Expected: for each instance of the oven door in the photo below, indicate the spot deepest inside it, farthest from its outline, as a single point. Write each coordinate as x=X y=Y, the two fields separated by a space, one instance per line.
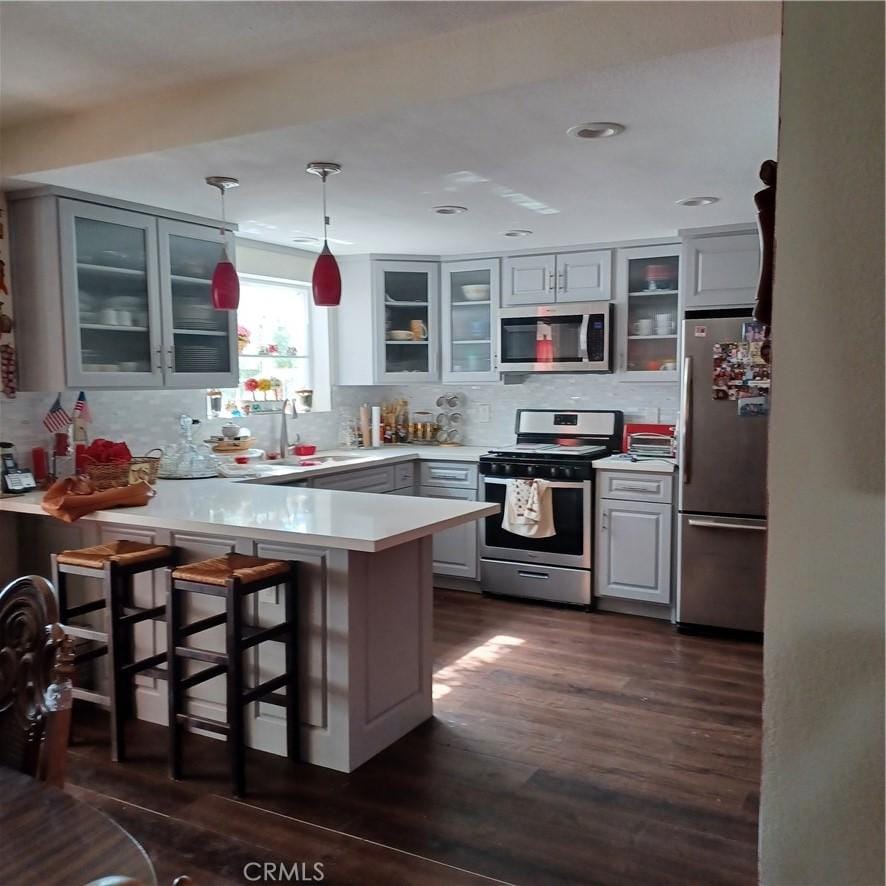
x=573 y=338
x=571 y=546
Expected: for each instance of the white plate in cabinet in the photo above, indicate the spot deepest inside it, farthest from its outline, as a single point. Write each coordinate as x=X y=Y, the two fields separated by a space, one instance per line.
x=635 y=486
x=455 y=549
x=633 y=551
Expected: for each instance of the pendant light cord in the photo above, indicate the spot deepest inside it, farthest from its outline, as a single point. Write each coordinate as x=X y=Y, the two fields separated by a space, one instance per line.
x=325 y=216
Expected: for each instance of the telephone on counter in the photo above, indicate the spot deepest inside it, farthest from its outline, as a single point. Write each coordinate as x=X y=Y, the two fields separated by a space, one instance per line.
x=15 y=480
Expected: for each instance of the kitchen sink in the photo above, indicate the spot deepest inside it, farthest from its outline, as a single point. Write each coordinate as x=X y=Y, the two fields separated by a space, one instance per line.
x=314 y=461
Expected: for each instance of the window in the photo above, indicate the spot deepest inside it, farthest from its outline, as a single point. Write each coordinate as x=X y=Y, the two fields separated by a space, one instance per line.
x=276 y=350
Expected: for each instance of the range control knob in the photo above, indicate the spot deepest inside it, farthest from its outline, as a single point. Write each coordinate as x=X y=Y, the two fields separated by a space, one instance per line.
x=566 y=473
x=494 y=468
x=554 y=472
x=530 y=470
x=508 y=469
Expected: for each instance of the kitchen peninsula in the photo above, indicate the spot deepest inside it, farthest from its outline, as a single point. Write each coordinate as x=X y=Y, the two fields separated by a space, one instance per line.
x=365 y=586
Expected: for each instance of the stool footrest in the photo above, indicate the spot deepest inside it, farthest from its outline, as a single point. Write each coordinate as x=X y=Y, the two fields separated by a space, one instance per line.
x=203 y=624
x=90 y=696
x=266 y=688
x=156 y=673
x=252 y=636
x=202 y=676
x=144 y=663
x=275 y=698
x=134 y=614
x=201 y=655
x=83 y=608
x=200 y=723
x=82 y=633
x=90 y=654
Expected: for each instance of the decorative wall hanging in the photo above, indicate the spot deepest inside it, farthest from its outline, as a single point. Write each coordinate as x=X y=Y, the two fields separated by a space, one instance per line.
x=225 y=282
x=8 y=357
x=326 y=280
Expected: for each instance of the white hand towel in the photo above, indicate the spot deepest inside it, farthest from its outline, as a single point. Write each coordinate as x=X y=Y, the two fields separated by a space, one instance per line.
x=528 y=511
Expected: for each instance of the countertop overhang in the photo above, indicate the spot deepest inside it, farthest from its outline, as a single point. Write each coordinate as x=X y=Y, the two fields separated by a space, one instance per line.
x=354 y=521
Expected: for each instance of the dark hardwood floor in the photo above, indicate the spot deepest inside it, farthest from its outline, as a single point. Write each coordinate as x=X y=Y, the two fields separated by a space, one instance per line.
x=566 y=748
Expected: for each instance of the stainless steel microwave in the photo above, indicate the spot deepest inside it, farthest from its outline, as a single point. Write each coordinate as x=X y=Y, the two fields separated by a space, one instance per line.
x=555 y=338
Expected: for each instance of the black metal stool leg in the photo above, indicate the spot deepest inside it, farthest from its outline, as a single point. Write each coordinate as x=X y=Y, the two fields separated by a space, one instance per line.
x=236 y=734
x=174 y=675
x=293 y=716
x=111 y=583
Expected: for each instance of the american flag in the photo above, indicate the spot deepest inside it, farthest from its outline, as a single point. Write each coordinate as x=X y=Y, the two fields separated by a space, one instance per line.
x=81 y=408
x=56 y=420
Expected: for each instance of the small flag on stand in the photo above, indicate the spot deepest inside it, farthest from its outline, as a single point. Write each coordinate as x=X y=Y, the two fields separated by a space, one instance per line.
x=56 y=420
x=81 y=408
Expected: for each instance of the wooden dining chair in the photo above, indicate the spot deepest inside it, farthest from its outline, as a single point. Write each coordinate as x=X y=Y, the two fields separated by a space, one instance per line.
x=36 y=665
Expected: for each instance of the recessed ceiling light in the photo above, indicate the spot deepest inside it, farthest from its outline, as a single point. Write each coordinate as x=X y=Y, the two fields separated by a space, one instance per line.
x=449 y=210
x=517 y=233
x=698 y=201
x=595 y=130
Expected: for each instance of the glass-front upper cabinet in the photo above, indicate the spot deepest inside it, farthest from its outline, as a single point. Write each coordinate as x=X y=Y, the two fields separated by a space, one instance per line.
x=200 y=349
x=469 y=309
x=407 y=312
x=648 y=296
x=110 y=295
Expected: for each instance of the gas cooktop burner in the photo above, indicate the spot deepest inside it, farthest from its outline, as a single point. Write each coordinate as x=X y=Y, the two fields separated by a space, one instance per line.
x=549 y=449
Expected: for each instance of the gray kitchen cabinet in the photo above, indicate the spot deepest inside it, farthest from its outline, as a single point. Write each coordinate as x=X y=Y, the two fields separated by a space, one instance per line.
x=118 y=295
x=564 y=277
x=719 y=267
x=633 y=540
x=455 y=549
x=380 y=480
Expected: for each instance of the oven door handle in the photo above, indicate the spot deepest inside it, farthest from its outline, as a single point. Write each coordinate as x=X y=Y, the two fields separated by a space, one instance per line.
x=554 y=484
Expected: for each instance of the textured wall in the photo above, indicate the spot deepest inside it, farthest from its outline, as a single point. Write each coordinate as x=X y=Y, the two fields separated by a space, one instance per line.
x=148 y=418
x=821 y=815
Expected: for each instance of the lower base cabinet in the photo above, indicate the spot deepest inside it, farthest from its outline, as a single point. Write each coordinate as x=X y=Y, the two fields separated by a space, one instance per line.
x=455 y=550
x=633 y=549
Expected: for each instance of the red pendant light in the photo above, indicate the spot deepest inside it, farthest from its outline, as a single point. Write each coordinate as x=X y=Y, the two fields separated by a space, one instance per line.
x=225 y=282
x=326 y=280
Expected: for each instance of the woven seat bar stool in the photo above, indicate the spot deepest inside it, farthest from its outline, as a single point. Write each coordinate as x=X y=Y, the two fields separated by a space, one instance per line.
x=233 y=577
x=114 y=564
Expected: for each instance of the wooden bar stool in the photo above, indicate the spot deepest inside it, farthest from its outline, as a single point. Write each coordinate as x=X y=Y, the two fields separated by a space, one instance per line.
x=114 y=564
x=234 y=577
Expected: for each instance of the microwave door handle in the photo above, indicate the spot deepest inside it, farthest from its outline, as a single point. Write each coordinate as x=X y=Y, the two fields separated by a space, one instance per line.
x=583 y=338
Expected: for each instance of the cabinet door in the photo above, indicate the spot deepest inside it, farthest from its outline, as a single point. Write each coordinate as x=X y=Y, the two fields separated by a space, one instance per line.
x=199 y=342
x=407 y=308
x=368 y=480
x=721 y=270
x=470 y=296
x=529 y=280
x=455 y=549
x=111 y=297
x=633 y=550
x=584 y=276
x=647 y=295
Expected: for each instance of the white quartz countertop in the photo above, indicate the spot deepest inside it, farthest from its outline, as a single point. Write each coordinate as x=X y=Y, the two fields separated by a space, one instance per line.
x=355 y=521
x=648 y=465
x=340 y=461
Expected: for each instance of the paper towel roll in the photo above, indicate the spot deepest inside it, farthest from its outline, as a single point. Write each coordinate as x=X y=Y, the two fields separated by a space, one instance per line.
x=365 y=435
x=376 y=425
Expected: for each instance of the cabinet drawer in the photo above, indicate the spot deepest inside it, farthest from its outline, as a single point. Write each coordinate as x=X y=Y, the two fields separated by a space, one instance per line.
x=448 y=473
x=371 y=480
x=635 y=486
x=404 y=475
x=536 y=582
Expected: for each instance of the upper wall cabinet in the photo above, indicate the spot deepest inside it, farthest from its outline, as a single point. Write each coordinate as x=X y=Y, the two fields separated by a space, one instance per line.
x=388 y=321
x=101 y=303
x=565 y=277
x=720 y=267
x=469 y=309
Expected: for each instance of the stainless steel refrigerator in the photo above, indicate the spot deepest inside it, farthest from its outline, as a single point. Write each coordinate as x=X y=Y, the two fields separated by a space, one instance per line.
x=722 y=500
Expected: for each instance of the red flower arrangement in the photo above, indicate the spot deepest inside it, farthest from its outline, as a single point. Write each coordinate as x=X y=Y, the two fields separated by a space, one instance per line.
x=107 y=452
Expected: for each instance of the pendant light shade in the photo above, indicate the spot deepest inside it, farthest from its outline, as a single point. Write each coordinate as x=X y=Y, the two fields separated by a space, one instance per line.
x=326 y=280
x=225 y=282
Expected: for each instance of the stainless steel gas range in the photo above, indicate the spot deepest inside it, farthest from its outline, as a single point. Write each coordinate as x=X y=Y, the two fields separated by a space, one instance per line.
x=557 y=446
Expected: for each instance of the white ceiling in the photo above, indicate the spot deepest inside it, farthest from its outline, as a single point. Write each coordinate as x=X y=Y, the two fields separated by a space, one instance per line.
x=697 y=123
x=66 y=56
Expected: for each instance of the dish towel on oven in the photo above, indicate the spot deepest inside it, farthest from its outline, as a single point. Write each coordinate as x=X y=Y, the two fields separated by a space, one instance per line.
x=528 y=510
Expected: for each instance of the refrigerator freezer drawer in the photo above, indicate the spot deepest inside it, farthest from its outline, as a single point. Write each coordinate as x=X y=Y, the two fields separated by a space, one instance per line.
x=722 y=572
x=552 y=583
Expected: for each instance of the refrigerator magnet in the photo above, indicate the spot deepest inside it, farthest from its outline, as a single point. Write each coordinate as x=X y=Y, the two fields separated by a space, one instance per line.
x=701 y=331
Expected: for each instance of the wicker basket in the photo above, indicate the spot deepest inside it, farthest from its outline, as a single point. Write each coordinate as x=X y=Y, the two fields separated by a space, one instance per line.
x=143 y=467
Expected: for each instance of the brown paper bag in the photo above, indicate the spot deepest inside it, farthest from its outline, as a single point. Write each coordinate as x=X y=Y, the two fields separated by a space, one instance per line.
x=71 y=498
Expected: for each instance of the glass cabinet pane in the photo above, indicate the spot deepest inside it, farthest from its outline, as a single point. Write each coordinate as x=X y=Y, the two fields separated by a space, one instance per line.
x=652 y=314
x=200 y=333
x=113 y=309
x=407 y=319
x=470 y=320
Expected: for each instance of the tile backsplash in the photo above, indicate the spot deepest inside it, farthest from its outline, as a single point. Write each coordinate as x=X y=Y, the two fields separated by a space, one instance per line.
x=146 y=419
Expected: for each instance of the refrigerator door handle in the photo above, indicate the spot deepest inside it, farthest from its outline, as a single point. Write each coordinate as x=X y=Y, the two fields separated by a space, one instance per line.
x=716 y=524
x=685 y=418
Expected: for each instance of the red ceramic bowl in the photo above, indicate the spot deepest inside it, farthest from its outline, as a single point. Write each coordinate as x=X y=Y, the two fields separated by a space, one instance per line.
x=241 y=459
x=304 y=449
